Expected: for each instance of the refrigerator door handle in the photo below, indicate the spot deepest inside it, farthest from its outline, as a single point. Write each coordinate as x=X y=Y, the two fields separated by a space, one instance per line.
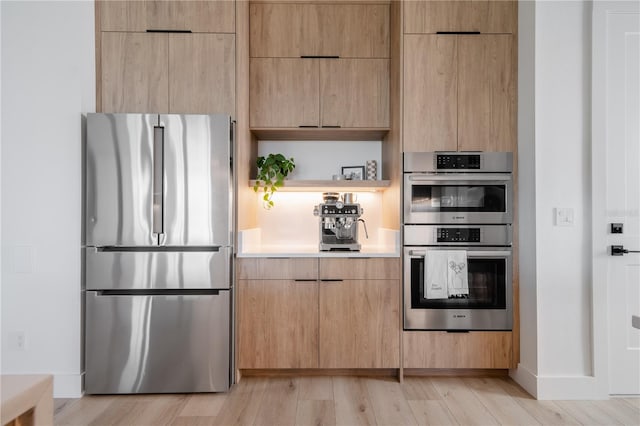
x=158 y=182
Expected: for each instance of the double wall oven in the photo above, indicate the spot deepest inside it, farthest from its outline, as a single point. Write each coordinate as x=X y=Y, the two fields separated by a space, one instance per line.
x=459 y=201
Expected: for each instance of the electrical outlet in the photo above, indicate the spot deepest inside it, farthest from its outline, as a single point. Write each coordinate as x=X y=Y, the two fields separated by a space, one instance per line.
x=564 y=216
x=17 y=341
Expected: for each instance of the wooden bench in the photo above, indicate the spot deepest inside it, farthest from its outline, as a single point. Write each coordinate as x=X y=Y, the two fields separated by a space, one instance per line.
x=27 y=400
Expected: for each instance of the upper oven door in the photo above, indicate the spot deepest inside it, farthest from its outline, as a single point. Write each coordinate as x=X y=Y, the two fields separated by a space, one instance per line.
x=458 y=198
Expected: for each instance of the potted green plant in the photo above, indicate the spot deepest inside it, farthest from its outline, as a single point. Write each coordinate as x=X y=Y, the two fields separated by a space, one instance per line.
x=272 y=170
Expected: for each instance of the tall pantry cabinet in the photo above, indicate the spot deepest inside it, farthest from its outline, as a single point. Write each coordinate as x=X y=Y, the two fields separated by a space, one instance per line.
x=459 y=93
x=166 y=56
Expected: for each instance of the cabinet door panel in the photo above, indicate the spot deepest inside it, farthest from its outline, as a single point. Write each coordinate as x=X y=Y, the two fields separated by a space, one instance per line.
x=486 y=93
x=359 y=324
x=263 y=268
x=277 y=324
x=278 y=30
x=217 y=16
x=429 y=17
x=284 y=92
x=116 y=15
x=353 y=31
x=197 y=16
x=430 y=93
x=134 y=72
x=355 y=92
x=202 y=73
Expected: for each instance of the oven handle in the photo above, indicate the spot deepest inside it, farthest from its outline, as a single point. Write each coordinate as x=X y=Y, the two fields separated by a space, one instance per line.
x=458 y=177
x=492 y=253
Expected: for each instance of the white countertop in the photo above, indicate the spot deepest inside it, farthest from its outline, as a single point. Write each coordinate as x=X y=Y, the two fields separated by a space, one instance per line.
x=251 y=244
x=313 y=251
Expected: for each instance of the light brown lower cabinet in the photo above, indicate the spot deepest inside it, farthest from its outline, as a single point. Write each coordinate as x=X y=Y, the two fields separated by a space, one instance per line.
x=359 y=324
x=277 y=324
x=439 y=349
x=344 y=314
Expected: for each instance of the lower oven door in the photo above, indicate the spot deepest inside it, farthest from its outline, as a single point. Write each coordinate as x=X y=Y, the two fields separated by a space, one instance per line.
x=489 y=305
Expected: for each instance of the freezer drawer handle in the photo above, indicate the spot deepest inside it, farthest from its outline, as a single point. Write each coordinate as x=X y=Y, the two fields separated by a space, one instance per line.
x=159 y=292
x=170 y=249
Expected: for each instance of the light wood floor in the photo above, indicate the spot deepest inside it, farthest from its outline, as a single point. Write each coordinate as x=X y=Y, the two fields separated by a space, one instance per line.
x=349 y=401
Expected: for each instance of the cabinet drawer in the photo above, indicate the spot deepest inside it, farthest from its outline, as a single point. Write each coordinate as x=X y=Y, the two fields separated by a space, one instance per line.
x=484 y=16
x=196 y=16
x=277 y=268
x=294 y=30
x=354 y=268
x=439 y=349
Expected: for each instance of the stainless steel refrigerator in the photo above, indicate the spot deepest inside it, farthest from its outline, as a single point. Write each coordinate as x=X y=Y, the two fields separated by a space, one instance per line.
x=158 y=252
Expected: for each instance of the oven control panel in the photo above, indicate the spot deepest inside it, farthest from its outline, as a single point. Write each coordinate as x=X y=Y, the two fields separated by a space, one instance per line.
x=458 y=235
x=458 y=161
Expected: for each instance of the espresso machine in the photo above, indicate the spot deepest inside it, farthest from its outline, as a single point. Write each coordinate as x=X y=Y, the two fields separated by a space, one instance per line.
x=339 y=217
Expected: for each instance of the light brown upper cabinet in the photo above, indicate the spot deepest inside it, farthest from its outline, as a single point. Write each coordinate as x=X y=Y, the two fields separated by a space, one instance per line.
x=293 y=92
x=485 y=16
x=202 y=73
x=175 y=15
x=168 y=73
x=459 y=93
x=284 y=92
x=354 y=92
x=135 y=76
x=295 y=30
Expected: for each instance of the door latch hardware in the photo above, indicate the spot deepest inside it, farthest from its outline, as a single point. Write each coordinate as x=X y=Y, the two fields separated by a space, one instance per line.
x=616 y=228
x=620 y=251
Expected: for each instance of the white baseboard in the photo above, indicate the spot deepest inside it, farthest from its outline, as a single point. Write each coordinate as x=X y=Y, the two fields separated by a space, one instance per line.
x=579 y=387
x=525 y=378
x=558 y=387
x=67 y=385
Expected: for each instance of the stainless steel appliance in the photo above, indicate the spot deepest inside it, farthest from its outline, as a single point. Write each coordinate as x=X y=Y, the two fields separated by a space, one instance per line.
x=459 y=201
x=489 y=305
x=338 y=224
x=158 y=252
x=453 y=187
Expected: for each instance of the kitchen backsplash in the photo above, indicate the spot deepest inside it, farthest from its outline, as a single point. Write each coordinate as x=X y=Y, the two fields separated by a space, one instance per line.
x=291 y=221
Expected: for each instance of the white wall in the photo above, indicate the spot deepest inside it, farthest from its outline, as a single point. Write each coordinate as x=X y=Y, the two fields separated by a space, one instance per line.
x=562 y=366
x=48 y=80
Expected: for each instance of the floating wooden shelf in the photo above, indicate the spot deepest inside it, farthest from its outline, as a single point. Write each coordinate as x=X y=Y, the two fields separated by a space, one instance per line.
x=332 y=185
x=320 y=134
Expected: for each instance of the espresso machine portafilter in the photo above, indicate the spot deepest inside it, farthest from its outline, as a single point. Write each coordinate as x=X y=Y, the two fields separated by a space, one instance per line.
x=338 y=225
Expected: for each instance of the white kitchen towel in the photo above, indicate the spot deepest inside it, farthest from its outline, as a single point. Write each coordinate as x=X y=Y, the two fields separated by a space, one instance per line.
x=457 y=273
x=436 y=265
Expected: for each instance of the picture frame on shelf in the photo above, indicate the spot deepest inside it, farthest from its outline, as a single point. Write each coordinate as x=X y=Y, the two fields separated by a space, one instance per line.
x=353 y=172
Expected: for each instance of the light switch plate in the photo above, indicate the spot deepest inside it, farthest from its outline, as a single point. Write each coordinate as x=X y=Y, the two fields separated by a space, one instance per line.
x=564 y=216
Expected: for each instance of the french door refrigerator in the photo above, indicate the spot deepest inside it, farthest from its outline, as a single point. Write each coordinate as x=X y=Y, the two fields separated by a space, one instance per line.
x=158 y=252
